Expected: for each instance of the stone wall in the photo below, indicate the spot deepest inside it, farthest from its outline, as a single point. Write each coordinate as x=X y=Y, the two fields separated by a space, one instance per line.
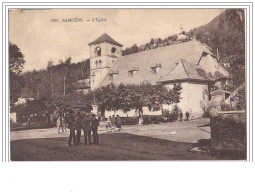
x=228 y=131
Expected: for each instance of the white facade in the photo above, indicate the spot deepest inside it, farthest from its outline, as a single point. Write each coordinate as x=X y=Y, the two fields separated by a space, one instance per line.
x=194 y=96
x=182 y=37
x=133 y=113
x=13 y=117
x=23 y=101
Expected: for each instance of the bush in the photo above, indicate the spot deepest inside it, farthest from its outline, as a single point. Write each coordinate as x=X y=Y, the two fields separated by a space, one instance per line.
x=129 y=120
x=32 y=125
x=174 y=114
x=153 y=119
x=228 y=107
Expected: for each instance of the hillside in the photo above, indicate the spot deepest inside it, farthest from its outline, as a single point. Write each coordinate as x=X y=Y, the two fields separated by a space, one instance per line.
x=44 y=83
x=226 y=33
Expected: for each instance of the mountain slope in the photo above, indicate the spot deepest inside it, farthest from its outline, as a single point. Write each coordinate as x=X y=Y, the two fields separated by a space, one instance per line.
x=226 y=33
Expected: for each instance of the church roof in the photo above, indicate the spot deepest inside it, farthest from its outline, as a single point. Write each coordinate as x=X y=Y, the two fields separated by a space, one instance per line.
x=183 y=71
x=167 y=57
x=212 y=67
x=105 y=38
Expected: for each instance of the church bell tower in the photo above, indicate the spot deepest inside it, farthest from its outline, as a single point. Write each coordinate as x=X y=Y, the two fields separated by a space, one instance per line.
x=104 y=53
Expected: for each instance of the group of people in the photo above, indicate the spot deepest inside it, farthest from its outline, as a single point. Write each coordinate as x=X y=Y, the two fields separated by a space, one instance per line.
x=113 y=122
x=187 y=114
x=78 y=120
x=61 y=124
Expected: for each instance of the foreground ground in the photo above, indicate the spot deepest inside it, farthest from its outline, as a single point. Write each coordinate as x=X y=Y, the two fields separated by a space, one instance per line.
x=113 y=146
x=171 y=141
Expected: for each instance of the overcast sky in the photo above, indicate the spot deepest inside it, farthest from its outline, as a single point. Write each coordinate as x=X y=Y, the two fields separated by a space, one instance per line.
x=41 y=40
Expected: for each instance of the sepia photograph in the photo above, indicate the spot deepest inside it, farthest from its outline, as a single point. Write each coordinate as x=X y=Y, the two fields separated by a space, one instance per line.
x=127 y=84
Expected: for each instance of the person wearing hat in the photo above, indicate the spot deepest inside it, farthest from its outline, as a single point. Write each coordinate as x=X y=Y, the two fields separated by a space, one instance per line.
x=86 y=125
x=70 y=119
x=118 y=122
x=94 y=126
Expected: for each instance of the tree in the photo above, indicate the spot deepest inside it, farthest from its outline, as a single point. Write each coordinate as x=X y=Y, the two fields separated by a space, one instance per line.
x=16 y=63
x=152 y=42
x=16 y=59
x=134 y=49
x=158 y=40
x=128 y=97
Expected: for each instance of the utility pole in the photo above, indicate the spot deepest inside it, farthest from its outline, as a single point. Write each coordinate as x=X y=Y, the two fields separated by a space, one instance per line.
x=65 y=84
x=65 y=68
x=50 y=68
x=82 y=69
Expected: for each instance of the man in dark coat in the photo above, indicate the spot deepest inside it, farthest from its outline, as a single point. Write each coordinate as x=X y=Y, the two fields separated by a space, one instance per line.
x=118 y=122
x=86 y=126
x=94 y=125
x=187 y=115
x=181 y=115
x=78 y=134
x=72 y=122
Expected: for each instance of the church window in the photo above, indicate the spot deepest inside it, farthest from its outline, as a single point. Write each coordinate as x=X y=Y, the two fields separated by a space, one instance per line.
x=132 y=73
x=96 y=64
x=97 y=51
x=110 y=77
x=114 y=50
x=154 y=70
x=111 y=74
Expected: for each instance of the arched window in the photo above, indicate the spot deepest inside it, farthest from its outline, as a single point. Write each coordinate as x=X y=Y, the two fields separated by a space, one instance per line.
x=96 y=64
x=98 y=51
x=114 y=50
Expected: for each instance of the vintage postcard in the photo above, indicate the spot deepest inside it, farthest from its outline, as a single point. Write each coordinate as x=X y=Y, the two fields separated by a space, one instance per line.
x=127 y=84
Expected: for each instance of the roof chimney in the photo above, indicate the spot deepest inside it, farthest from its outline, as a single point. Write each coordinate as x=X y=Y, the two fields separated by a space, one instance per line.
x=218 y=54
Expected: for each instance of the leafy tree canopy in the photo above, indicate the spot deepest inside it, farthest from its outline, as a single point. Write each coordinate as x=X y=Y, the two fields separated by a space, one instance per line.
x=127 y=97
x=16 y=63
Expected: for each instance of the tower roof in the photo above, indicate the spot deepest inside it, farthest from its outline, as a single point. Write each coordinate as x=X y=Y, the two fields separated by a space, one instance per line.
x=105 y=38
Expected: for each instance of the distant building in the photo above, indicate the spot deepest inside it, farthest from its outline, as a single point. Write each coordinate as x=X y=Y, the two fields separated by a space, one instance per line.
x=182 y=35
x=23 y=101
x=82 y=86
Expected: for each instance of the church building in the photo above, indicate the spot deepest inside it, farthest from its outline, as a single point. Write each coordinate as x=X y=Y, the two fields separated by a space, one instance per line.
x=189 y=63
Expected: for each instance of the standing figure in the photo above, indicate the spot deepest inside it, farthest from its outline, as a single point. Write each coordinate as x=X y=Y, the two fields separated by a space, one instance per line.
x=94 y=126
x=29 y=121
x=181 y=115
x=86 y=125
x=58 y=124
x=78 y=134
x=118 y=122
x=109 y=122
x=71 y=121
x=64 y=124
x=190 y=114
x=113 y=121
x=187 y=115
